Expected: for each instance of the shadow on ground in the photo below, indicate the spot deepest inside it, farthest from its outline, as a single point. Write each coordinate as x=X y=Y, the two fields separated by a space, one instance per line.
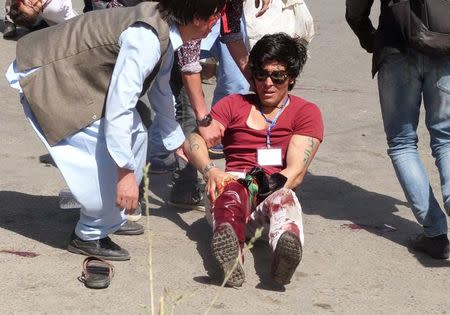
x=329 y=197
x=336 y=199
x=37 y=217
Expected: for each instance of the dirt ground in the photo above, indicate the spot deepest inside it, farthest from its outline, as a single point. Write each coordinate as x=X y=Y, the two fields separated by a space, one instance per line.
x=357 y=222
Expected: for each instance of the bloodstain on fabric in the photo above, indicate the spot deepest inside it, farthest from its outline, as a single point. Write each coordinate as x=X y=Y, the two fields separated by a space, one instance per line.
x=292 y=227
x=279 y=200
x=232 y=207
x=19 y=253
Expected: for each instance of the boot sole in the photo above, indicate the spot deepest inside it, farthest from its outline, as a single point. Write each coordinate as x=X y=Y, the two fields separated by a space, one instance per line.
x=289 y=254
x=134 y=232
x=76 y=250
x=226 y=251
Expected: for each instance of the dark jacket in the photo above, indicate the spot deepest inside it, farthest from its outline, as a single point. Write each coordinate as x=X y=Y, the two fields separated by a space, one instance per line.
x=384 y=40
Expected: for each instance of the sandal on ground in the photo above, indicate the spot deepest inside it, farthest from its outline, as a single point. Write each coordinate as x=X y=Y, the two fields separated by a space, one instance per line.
x=97 y=273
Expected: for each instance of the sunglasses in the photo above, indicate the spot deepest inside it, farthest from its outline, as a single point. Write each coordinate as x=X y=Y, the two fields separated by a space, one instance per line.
x=277 y=77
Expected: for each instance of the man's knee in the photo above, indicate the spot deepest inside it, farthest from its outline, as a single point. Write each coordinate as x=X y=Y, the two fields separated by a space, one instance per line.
x=233 y=198
x=93 y=206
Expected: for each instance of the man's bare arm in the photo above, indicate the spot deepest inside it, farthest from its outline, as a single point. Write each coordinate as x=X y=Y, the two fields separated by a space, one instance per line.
x=193 y=85
x=197 y=152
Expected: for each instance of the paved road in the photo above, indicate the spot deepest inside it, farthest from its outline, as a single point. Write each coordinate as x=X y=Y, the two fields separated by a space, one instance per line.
x=356 y=220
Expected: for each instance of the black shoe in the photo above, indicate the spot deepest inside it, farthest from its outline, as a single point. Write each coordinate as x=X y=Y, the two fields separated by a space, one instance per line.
x=186 y=195
x=437 y=247
x=103 y=248
x=130 y=228
x=10 y=30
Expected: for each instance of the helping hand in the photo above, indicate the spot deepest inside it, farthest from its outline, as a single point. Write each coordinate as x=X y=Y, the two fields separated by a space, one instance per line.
x=212 y=134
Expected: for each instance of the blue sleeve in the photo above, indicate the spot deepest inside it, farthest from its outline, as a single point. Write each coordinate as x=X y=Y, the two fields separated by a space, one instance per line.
x=138 y=55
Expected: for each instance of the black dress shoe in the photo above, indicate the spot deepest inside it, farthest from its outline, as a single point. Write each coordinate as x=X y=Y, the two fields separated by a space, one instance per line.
x=103 y=248
x=437 y=247
x=130 y=228
x=10 y=30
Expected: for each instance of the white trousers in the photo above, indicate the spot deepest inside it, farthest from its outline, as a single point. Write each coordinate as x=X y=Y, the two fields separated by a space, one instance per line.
x=91 y=174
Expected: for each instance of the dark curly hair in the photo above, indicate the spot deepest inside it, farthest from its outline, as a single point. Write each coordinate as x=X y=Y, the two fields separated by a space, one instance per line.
x=183 y=12
x=280 y=47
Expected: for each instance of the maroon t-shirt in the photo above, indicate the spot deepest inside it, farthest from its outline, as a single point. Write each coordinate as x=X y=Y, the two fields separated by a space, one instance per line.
x=241 y=142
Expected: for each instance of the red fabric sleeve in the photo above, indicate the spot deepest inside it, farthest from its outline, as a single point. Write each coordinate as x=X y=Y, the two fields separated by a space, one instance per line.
x=221 y=111
x=309 y=122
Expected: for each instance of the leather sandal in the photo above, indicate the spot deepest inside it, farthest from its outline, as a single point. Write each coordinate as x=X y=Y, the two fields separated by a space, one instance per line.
x=97 y=273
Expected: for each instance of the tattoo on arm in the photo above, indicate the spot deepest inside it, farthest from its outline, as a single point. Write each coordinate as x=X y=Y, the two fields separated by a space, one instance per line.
x=308 y=151
x=193 y=144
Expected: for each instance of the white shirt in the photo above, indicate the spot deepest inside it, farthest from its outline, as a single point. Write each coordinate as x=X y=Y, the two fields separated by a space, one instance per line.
x=57 y=11
x=138 y=55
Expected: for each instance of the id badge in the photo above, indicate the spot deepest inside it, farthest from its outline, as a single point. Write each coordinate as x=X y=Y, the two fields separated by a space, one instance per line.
x=269 y=157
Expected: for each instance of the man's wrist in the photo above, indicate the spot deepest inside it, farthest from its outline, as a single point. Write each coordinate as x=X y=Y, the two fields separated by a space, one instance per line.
x=208 y=168
x=204 y=121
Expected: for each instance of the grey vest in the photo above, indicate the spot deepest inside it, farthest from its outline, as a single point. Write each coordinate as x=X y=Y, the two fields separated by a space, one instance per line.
x=76 y=61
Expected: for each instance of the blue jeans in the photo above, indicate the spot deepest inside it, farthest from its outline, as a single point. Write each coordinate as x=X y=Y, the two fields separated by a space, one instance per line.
x=403 y=80
x=186 y=173
x=230 y=79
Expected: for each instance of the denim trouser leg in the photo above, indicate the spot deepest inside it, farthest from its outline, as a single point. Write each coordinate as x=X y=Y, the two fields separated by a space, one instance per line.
x=186 y=118
x=401 y=82
x=230 y=79
x=436 y=97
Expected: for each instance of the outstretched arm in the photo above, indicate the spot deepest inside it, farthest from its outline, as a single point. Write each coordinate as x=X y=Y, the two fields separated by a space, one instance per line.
x=193 y=84
x=133 y=65
x=301 y=151
x=197 y=152
x=188 y=61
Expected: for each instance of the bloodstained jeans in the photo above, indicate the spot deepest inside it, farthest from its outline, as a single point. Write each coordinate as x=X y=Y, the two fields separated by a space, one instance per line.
x=278 y=213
